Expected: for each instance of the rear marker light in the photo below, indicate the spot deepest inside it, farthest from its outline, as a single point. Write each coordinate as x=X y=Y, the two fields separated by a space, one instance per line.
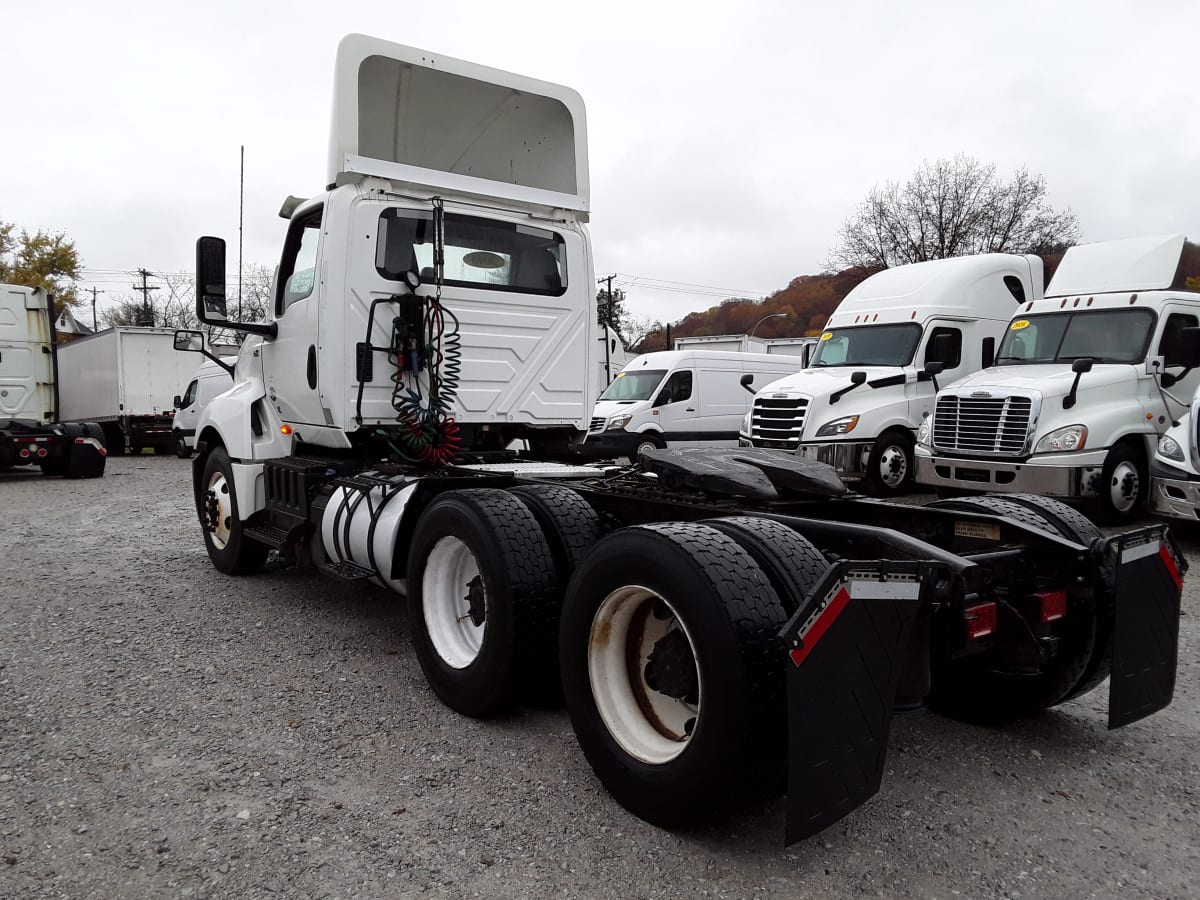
x=1054 y=605
x=285 y=429
x=981 y=620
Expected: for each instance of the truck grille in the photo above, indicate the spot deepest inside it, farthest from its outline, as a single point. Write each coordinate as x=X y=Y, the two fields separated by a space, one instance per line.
x=985 y=425
x=597 y=425
x=776 y=422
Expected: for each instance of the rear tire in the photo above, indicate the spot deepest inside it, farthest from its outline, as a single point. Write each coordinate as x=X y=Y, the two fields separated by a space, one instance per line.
x=228 y=547
x=971 y=690
x=890 y=464
x=673 y=671
x=791 y=562
x=481 y=597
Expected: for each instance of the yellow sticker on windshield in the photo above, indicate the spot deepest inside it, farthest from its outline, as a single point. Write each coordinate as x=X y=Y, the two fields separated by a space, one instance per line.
x=620 y=374
x=1018 y=325
x=827 y=335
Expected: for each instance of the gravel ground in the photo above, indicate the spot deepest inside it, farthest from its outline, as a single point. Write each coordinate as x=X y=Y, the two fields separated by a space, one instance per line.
x=169 y=731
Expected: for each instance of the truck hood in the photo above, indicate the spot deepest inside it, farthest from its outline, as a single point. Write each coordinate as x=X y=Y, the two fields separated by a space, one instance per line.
x=1047 y=379
x=606 y=409
x=818 y=382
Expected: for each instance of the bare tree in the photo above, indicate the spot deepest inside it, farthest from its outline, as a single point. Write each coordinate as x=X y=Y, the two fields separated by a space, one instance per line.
x=953 y=207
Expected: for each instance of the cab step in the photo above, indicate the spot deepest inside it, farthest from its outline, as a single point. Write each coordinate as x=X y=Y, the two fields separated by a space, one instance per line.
x=274 y=537
x=347 y=571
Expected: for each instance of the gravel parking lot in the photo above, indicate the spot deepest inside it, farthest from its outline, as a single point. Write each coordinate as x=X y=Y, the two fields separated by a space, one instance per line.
x=168 y=731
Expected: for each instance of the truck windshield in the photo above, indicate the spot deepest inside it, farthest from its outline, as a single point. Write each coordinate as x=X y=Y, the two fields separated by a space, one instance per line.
x=868 y=345
x=630 y=386
x=1107 y=336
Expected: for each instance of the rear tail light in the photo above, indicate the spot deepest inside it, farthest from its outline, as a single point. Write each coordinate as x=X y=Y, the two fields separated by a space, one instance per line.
x=1054 y=605
x=981 y=620
x=24 y=454
x=41 y=451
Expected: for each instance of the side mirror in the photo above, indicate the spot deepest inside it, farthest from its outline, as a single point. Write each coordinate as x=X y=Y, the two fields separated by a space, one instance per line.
x=210 y=281
x=857 y=378
x=1189 y=356
x=1084 y=364
x=178 y=401
x=189 y=341
x=747 y=381
x=941 y=349
x=934 y=367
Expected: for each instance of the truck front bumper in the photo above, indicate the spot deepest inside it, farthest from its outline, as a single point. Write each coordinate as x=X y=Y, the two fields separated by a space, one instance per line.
x=1174 y=493
x=848 y=457
x=1053 y=475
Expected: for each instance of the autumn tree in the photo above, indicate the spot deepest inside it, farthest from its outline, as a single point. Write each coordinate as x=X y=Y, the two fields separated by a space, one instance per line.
x=42 y=259
x=953 y=207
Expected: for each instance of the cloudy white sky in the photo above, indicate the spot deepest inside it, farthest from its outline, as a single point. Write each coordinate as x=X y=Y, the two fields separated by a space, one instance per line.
x=727 y=141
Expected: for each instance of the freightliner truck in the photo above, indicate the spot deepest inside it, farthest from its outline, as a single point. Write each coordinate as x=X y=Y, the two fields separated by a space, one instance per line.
x=723 y=624
x=31 y=429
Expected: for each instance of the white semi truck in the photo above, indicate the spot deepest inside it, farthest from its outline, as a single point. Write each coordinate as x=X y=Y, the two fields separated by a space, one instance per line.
x=31 y=430
x=1175 y=468
x=703 y=612
x=1085 y=382
x=126 y=379
x=870 y=382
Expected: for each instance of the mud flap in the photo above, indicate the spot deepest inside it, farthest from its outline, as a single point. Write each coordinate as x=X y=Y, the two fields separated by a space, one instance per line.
x=1147 y=585
x=847 y=649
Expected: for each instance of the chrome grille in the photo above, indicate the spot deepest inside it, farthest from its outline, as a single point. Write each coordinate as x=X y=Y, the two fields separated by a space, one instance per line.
x=597 y=425
x=776 y=422
x=985 y=425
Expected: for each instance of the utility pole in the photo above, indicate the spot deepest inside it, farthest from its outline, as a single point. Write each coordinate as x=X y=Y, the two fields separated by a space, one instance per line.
x=94 y=293
x=147 y=313
x=608 y=315
x=241 y=208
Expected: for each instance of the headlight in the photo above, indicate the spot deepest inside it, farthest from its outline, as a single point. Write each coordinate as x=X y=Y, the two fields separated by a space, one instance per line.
x=617 y=423
x=1062 y=440
x=838 y=426
x=1169 y=447
x=746 y=422
x=923 y=431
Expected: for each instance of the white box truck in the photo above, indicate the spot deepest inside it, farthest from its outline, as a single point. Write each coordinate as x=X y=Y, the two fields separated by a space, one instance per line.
x=678 y=398
x=697 y=611
x=731 y=343
x=31 y=429
x=868 y=387
x=1082 y=388
x=125 y=378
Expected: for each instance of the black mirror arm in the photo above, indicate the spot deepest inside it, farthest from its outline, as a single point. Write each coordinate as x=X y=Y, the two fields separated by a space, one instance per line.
x=218 y=360
x=1069 y=400
x=929 y=376
x=838 y=395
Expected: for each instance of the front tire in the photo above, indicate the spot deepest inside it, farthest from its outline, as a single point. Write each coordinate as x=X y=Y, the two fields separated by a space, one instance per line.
x=673 y=671
x=648 y=441
x=481 y=597
x=225 y=539
x=1123 y=485
x=890 y=464
x=182 y=450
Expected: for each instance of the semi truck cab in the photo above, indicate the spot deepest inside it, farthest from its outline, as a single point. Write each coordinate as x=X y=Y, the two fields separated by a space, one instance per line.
x=1085 y=382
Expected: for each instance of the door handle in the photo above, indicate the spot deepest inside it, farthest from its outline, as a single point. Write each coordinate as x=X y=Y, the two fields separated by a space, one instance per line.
x=690 y=409
x=312 y=366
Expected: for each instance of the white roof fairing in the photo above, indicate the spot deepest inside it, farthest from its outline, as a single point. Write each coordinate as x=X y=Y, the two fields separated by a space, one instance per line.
x=1135 y=264
x=420 y=118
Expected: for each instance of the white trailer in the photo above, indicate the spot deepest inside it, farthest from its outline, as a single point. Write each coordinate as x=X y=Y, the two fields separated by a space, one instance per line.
x=702 y=614
x=125 y=378
x=734 y=343
x=801 y=347
x=31 y=432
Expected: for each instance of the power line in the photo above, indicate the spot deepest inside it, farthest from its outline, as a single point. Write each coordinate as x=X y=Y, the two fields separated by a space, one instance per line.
x=147 y=314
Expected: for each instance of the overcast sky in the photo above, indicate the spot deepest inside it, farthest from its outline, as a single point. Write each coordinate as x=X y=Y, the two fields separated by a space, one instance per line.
x=728 y=142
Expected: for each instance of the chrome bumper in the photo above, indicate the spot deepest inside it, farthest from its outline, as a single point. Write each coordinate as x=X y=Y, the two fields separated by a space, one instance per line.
x=988 y=475
x=1175 y=497
x=849 y=458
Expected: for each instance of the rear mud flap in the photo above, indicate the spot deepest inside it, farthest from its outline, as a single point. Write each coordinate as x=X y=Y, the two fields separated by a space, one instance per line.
x=847 y=649
x=1147 y=583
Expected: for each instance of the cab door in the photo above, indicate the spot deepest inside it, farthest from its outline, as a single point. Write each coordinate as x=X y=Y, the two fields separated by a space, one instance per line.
x=290 y=367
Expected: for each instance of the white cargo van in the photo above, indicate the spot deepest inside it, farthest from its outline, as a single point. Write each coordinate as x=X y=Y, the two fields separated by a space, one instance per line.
x=870 y=383
x=1083 y=384
x=678 y=398
x=211 y=379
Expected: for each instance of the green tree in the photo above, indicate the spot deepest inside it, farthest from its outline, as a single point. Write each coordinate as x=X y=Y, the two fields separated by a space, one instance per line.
x=42 y=259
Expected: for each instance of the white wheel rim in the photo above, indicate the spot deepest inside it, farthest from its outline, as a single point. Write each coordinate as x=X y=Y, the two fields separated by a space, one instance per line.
x=1124 y=487
x=893 y=465
x=450 y=581
x=646 y=445
x=218 y=510
x=649 y=725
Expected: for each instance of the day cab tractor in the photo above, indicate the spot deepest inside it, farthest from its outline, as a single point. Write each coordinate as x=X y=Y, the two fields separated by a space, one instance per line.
x=723 y=625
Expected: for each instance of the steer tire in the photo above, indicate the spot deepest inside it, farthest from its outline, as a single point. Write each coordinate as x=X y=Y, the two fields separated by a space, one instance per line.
x=182 y=450
x=228 y=547
x=902 y=467
x=511 y=587
x=789 y=560
x=970 y=690
x=1122 y=462
x=714 y=602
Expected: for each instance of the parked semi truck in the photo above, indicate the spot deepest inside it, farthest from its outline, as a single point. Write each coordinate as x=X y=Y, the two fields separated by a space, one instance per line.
x=710 y=615
x=1086 y=381
x=31 y=430
x=869 y=383
x=126 y=379
x=1175 y=468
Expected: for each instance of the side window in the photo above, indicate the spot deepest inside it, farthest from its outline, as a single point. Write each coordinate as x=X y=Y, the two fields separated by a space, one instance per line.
x=677 y=388
x=1013 y=283
x=298 y=268
x=953 y=355
x=1170 y=347
x=989 y=351
x=189 y=396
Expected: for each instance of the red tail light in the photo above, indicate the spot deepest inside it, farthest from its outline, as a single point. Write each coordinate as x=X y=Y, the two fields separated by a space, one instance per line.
x=981 y=620
x=1054 y=605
